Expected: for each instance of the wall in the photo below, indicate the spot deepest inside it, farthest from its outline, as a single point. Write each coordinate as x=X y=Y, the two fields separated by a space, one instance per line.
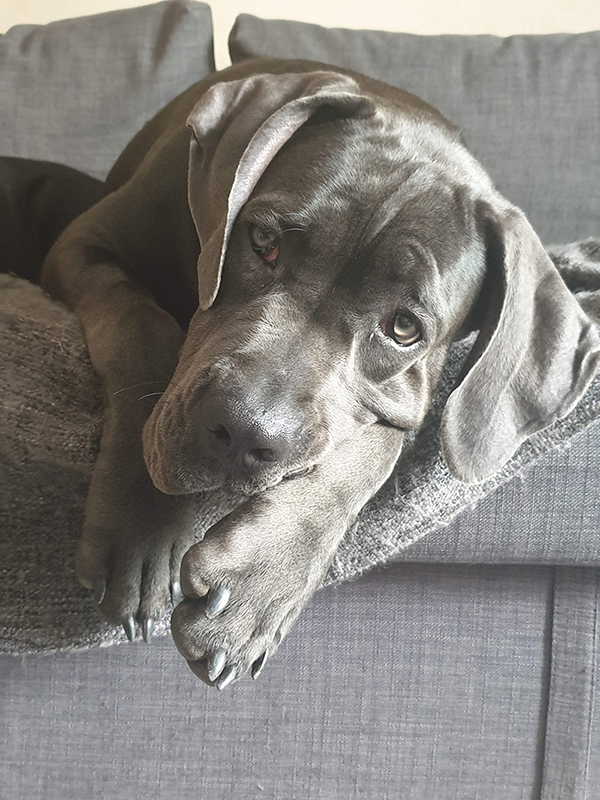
x=414 y=16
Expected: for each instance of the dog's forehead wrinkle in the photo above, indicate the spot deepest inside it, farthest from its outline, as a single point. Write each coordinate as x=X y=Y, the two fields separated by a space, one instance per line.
x=457 y=287
x=281 y=210
x=352 y=187
x=399 y=141
x=432 y=243
x=417 y=135
x=329 y=170
x=282 y=333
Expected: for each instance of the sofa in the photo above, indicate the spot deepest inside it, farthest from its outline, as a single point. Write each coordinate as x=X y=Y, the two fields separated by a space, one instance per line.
x=466 y=669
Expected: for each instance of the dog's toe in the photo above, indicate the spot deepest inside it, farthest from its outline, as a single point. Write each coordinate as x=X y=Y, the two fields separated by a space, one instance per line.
x=216 y=664
x=122 y=596
x=200 y=670
x=129 y=627
x=147 y=629
x=227 y=676
x=176 y=593
x=99 y=590
x=257 y=666
x=154 y=591
x=131 y=561
x=216 y=601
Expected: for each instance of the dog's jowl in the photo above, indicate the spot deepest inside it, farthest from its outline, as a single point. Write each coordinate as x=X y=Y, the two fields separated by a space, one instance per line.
x=283 y=257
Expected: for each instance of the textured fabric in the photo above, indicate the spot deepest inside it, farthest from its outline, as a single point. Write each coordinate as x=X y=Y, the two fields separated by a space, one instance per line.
x=529 y=106
x=49 y=433
x=416 y=682
x=548 y=515
x=419 y=682
x=76 y=91
x=593 y=764
x=571 y=702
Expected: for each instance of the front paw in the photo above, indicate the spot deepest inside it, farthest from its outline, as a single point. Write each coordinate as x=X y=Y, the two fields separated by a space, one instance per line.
x=130 y=552
x=244 y=589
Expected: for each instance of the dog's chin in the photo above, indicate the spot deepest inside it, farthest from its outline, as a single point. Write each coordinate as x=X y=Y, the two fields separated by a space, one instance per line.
x=172 y=476
x=180 y=482
x=183 y=469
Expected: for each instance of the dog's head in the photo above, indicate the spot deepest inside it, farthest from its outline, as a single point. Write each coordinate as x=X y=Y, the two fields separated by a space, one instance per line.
x=347 y=241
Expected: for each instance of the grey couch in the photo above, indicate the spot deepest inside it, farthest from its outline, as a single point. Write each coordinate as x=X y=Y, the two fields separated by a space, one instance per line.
x=465 y=670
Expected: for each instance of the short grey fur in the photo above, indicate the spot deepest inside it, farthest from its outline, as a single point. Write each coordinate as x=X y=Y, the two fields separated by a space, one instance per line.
x=49 y=431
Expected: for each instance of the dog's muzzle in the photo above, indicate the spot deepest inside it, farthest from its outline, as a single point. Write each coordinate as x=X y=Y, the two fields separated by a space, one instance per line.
x=251 y=440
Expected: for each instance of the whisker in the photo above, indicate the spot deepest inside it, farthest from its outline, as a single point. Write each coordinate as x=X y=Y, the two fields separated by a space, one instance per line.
x=162 y=401
x=145 y=383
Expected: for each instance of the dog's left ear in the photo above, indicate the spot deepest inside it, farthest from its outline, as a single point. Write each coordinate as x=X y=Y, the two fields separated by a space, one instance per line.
x=238 y=127
x=534 y=357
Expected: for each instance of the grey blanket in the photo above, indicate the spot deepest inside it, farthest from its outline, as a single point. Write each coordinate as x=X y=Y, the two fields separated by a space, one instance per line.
x=49 y=432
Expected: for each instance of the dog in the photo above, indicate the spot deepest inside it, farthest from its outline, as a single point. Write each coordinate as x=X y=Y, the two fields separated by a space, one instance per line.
x=283 y=257
x=38 y=199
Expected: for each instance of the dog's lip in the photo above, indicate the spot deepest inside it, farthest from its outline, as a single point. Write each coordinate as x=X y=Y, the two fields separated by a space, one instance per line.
x=298 y=473
x=252 y=490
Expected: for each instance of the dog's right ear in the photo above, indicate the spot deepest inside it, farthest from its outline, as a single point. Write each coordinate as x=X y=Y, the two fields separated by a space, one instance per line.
x=238 y=128
x=535 y=355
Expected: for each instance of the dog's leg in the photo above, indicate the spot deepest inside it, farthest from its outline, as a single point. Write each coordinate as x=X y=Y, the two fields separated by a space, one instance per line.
x=134 y=536
x=259 y=566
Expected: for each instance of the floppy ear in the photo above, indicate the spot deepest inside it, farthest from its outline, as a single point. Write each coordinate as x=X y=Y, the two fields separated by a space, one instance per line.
x=238 y=128
x=534 y=358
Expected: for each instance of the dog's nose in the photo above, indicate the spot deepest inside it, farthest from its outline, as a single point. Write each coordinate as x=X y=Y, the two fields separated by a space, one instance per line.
x=254 y=441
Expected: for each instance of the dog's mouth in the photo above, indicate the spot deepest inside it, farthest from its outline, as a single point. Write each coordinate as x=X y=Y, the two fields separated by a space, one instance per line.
x=251 y=487
x=298 y=473
x=184 y=470
x=186 y=453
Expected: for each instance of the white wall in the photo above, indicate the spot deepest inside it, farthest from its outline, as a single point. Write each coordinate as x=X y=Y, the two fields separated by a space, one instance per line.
x=414 y=16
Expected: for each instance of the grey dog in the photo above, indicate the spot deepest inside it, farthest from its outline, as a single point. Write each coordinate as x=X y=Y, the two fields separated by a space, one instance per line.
x=287 y=277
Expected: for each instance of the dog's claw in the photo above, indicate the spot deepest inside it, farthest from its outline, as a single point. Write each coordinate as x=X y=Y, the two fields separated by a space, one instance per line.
x=227 y=676
x=216 y=601
x=129 y=628
x=216 y=665
x=176 y=593
x=148 y=629
x=99 y=590
x=258 y=665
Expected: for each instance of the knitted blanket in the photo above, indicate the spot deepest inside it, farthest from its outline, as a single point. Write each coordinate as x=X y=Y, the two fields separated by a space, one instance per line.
x=49 y=433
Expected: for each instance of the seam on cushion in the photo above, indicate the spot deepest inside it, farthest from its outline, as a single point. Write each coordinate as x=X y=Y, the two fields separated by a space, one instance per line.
x=572 y=684
x=591 y=697
x=547 y=678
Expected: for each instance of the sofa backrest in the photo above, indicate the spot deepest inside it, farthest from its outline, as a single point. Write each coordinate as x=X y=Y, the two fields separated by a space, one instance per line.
x=529 y=106
x=76 y=91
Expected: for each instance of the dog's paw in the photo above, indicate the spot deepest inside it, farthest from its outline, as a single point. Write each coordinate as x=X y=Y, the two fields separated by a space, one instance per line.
x=244 y=589
x=130 y=554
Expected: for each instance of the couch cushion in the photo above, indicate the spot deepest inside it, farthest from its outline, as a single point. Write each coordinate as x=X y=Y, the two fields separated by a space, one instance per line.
x=76 y=91
x=423 y=681
x=529 y=106
x=549 y=515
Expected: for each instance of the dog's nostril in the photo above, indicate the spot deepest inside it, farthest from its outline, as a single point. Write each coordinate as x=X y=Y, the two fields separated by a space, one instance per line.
x=262 y=454
x=222 y=434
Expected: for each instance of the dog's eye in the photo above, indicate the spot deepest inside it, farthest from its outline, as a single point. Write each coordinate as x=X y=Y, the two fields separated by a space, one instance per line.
x=264 y=242
x=405 y=329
